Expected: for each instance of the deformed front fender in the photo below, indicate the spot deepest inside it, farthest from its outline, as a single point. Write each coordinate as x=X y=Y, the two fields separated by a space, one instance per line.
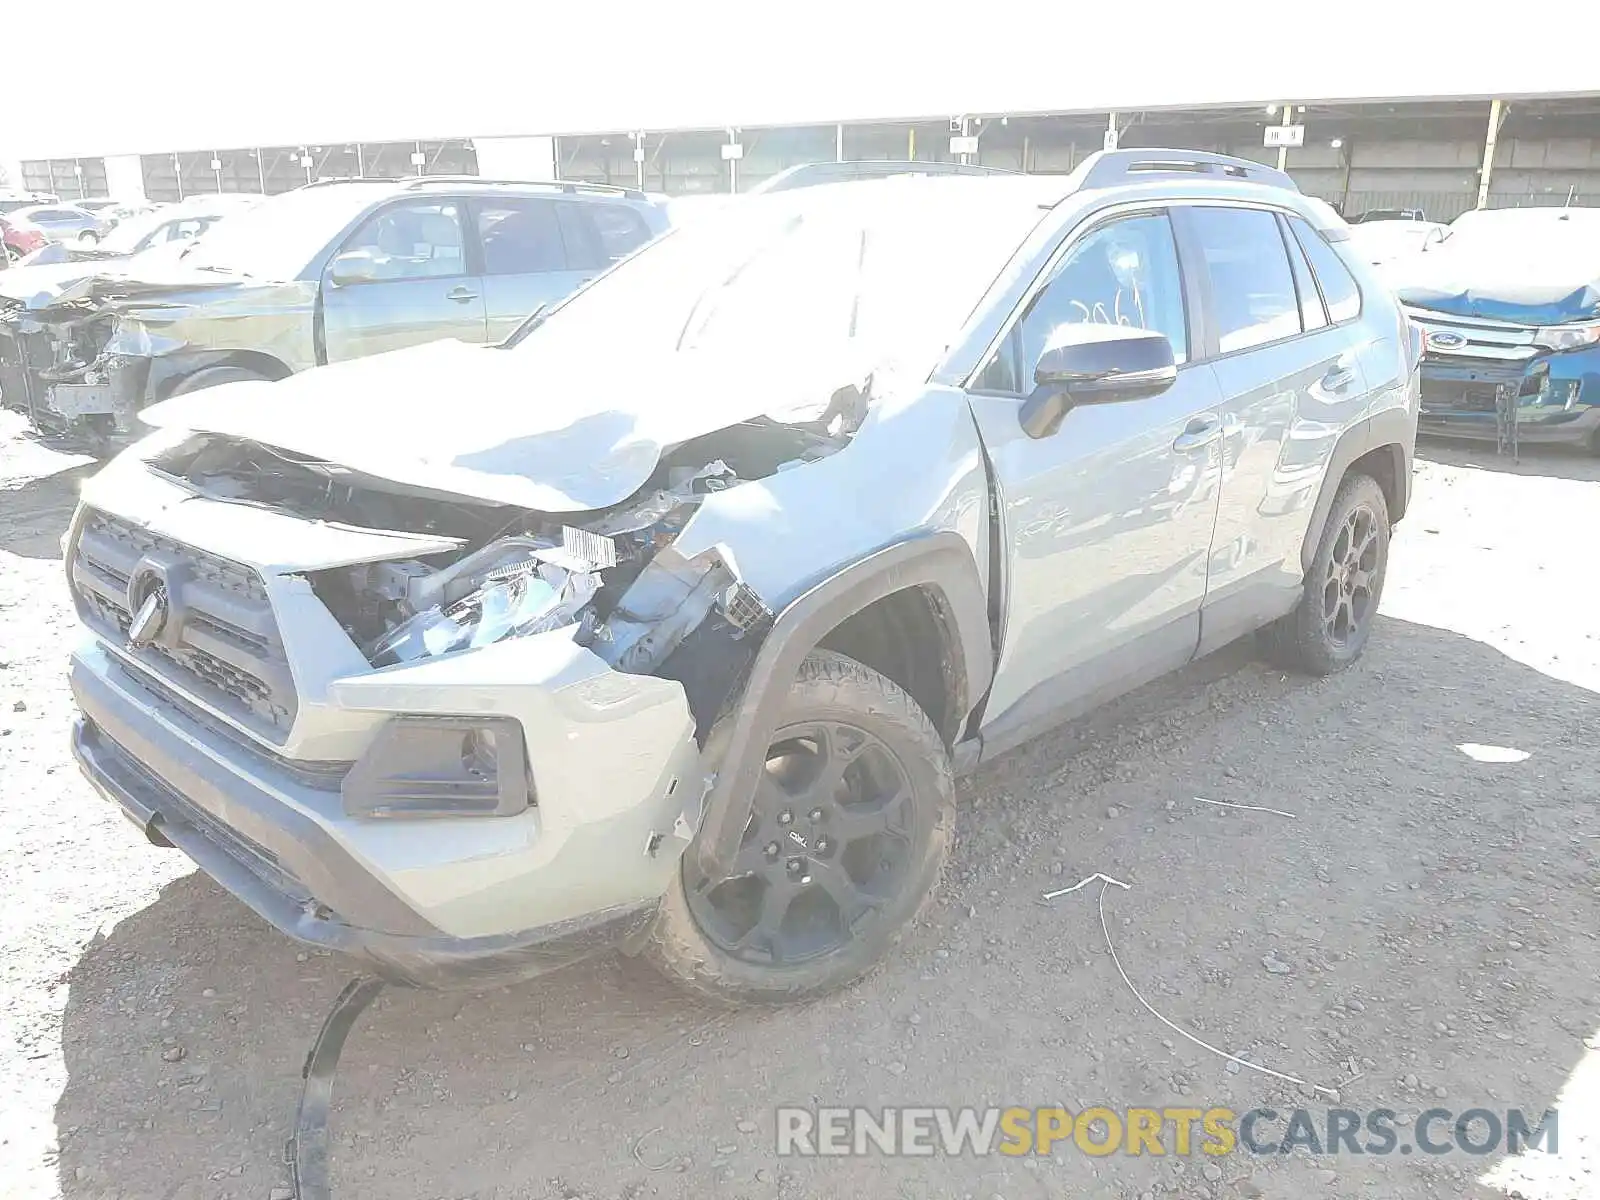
x=941 y=561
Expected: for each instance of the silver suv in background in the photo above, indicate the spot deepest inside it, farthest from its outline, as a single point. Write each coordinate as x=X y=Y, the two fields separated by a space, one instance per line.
x=323 y=274
x=667 y=623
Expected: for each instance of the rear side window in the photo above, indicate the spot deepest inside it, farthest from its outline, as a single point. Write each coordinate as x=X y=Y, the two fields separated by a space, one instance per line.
x=619 y=229
x=1312 y=314
x=520 y=237
x=1339 y=288
x=1253 y=299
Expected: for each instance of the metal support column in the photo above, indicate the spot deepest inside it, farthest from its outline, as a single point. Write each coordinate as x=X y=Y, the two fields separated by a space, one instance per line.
x=838 y=143
x=1283 y=151
x=1497 y=115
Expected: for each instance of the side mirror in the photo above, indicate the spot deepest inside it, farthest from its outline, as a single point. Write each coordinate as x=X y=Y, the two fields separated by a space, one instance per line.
x=353 y=266
x=1095 y=364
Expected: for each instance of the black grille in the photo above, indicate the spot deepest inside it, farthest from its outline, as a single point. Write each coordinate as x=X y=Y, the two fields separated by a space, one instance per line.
x=1465 y=384
x=227 y=652
x=1457 y=395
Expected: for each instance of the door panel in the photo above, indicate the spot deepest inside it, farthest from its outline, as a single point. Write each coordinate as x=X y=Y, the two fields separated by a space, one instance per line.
x=1286 y=406
x=1291 y=379
x=1106 y=524
x=527 y=261
x=1106 y=529
x=421 y=291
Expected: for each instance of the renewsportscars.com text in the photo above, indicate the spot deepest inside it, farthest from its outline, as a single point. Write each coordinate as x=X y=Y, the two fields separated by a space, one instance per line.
x=1101 y=1130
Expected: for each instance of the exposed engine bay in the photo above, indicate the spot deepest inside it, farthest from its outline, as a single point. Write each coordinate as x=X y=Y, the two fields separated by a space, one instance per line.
x=51 y=371
x=614 y=576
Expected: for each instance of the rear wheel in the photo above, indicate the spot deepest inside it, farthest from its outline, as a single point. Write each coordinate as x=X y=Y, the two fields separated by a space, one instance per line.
x=848 y=832
x=1329 y=628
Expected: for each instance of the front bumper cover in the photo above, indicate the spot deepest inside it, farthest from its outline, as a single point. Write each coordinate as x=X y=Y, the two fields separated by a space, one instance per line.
x=185 y=785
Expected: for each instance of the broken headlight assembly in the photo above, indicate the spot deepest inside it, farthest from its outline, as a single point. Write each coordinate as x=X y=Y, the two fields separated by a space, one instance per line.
x=517 y=600
x=425 y=766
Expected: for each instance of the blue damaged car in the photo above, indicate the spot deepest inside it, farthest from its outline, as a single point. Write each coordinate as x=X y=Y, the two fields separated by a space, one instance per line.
x=1509 y=307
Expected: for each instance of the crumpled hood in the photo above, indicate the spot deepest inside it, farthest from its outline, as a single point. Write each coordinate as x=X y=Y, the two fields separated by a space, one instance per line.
x=40 y=285
x=150 y=275
x=1531 y=284
x=509 y=426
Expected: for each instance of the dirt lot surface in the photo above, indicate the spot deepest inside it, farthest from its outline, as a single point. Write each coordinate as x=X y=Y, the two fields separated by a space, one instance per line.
x=1420 y=933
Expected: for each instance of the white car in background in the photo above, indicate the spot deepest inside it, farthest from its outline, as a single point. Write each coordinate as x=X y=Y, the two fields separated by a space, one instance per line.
x=1383 y=242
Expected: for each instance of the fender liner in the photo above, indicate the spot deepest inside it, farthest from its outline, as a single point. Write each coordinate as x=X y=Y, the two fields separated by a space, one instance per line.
x=1392 y=428
x=941 y=562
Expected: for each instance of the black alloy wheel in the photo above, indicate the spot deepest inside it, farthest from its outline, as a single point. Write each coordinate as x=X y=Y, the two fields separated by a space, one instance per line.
x=828 y=848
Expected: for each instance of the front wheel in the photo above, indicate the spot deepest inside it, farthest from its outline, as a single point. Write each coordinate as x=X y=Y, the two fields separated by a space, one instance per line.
x=208 y=377
x=1329 y=627
x=848 y=832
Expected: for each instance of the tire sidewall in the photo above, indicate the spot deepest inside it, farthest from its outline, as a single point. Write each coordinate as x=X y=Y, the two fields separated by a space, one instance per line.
x=679 y=946
x=1361 y=491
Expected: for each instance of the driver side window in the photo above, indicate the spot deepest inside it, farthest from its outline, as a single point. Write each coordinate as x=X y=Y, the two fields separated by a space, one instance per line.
x=1124 y=272
x=414 y=240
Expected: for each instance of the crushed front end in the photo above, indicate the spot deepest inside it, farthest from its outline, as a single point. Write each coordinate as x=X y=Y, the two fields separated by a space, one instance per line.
x=55 y=369
x=459 y=741
x=1512 y=382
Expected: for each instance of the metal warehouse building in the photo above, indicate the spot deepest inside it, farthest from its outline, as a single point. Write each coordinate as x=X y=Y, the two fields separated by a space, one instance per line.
x=1416 y=154
x=1375 y=105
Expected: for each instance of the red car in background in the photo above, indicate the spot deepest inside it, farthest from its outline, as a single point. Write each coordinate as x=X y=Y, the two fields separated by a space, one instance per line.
x=19 y=236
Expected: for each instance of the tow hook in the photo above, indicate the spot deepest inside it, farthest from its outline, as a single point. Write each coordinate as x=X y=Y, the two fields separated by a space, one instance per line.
x=307 y=1151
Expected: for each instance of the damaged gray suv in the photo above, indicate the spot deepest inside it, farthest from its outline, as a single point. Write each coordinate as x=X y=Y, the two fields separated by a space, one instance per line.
x=667 y=624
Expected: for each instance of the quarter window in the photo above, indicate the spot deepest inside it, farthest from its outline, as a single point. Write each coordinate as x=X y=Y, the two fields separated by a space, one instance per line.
x=421 y=240
x=1123 y=273
x=520 y=237
x=1253 y=300
x=1338 y=285
x=619 y=229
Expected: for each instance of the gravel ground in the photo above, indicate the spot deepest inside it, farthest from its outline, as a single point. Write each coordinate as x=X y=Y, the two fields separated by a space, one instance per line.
x=1422 y=932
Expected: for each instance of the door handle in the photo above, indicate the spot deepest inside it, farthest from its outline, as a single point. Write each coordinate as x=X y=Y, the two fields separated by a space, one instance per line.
x=1200 y=432
x=1338 y=378
x=461 y=294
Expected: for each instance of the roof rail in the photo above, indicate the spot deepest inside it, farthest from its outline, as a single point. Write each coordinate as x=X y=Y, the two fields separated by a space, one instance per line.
x=857 y=169
x=412 y=182
x=330 y=180
x=1108 y=168
x=570 y=186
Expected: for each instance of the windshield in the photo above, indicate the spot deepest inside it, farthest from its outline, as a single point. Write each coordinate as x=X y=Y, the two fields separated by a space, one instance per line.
x=886 y=270
x=125 y=236
x=278 y=238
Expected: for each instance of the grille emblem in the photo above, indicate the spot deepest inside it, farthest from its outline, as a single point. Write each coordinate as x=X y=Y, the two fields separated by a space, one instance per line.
x=149 y=619
x=1445 y=339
